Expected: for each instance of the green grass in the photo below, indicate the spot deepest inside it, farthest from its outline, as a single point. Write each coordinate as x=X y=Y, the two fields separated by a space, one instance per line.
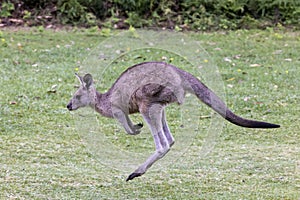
x=42 y=155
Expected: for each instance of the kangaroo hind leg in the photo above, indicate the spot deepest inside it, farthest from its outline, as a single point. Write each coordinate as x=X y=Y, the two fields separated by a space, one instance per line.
x=166 y=129
x=154 y=117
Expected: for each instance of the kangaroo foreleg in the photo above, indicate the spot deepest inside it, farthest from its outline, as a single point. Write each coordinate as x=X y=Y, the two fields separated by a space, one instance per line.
x=154 y=120
x=125 y=121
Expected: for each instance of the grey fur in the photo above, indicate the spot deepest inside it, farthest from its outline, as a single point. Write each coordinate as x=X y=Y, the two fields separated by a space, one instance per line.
x=148 y=88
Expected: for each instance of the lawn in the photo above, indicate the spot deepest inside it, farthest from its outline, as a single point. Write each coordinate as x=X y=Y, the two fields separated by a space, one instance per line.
x=47 y=152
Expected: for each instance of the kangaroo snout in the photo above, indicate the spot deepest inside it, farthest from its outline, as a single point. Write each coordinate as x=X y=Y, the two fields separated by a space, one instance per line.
x=69 y=106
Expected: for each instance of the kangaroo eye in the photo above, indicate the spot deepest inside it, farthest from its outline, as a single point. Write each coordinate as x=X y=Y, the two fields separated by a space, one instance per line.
x=78 y=97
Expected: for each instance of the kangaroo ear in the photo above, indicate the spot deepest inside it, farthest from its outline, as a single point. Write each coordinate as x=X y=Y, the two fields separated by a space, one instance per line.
x=79 y=78
x=88 y=80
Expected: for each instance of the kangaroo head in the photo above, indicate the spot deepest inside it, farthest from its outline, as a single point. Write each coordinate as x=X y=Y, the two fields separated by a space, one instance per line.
x=85 y=95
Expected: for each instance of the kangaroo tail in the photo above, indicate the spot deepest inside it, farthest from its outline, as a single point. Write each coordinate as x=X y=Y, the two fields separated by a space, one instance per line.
x=212 y=100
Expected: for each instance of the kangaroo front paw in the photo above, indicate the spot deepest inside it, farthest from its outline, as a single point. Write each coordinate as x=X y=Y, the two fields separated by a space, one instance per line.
x=138 y=126
x=137 y=129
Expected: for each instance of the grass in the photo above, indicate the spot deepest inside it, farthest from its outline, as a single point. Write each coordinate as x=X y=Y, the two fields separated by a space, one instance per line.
x=43 y=156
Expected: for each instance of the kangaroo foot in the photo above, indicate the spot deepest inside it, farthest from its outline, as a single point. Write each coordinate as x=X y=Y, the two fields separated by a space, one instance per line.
x=133 y=175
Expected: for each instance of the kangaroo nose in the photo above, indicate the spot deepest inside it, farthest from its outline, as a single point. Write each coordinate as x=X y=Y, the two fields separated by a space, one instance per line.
x=69 y=106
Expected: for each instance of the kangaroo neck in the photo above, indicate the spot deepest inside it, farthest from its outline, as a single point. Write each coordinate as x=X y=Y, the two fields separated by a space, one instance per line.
x=102 y=104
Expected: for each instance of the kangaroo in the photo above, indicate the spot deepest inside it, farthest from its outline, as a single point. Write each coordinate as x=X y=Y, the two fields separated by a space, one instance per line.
x=148 y=88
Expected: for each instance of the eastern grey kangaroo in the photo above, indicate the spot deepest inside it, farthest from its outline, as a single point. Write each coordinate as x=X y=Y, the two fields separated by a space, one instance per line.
x=148 y=88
